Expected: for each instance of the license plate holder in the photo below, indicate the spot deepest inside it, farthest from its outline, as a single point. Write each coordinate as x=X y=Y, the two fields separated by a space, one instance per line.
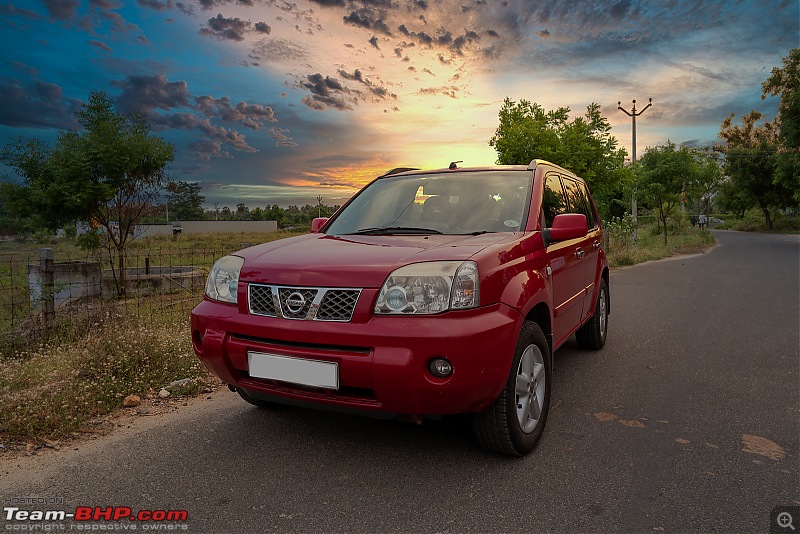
x=305 y=372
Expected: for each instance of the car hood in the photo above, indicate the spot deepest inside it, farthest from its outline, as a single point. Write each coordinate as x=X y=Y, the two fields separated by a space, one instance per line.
x=353 y=261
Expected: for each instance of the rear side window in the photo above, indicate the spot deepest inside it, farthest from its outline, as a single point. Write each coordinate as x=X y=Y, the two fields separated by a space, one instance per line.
x=553 y=202
x=578 y=200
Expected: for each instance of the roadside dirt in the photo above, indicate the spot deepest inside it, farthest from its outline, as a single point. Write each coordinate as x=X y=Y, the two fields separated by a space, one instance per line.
x=120 y=423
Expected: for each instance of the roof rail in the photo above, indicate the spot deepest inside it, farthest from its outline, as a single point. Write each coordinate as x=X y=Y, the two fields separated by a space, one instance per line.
x=397 y=170
x=532 y=165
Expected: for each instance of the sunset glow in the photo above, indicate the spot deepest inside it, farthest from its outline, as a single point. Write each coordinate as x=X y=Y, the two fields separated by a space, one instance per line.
x=269 y=101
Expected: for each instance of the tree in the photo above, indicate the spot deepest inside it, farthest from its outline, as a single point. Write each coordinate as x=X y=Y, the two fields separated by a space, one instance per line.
x=664 y=172
x=110 y=173
x=750 y=162
x=185 y=200
x=785 y=83
x=585 y=146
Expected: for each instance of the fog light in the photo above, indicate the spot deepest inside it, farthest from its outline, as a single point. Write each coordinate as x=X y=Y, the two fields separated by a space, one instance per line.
x=440 y=367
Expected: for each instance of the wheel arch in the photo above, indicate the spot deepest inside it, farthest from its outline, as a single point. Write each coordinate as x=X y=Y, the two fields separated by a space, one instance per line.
x=540 y=314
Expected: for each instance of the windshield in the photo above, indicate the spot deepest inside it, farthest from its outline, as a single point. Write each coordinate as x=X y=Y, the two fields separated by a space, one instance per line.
x=448 y=203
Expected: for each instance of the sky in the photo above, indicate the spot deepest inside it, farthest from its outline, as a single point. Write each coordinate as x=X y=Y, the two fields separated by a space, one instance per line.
x=281 y=102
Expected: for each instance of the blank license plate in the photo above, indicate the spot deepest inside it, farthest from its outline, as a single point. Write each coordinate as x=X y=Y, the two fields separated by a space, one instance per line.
x=295 y=370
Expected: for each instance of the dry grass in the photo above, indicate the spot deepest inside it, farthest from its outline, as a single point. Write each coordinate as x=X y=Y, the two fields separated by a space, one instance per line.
x=54 y=390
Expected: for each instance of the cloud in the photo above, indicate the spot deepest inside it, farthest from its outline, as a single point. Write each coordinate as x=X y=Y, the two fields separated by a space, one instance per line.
x=170 y=105
x=37 y=105
x=61 y=9
x=281 y=139
x=279 y=50
x=378 y=91
x=370 y=19
x=99 y=44
x=374 y=42
x=263 y=27
x=222 y=28
x=158 y=5
x=326 y=92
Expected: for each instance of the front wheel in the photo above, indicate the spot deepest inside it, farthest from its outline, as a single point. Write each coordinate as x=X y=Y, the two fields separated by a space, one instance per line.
x=592 y=335
x=515 y=422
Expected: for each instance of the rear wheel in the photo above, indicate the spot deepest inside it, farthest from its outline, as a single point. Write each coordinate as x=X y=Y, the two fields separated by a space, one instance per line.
x=592 y=335
x=515 y=422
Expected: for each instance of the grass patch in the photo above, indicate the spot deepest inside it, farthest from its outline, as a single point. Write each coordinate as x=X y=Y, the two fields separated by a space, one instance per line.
x=650 y=245
x=54 y=390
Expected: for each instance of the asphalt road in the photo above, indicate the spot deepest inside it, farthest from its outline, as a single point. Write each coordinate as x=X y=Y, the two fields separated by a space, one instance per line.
x=652 y=434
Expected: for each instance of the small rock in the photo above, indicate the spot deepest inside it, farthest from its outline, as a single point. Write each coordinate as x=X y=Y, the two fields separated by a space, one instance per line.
x=207 y=390
x=142 y=411
x=131 y=400
x=51 y=444
x=164 y=393
x=178 y=383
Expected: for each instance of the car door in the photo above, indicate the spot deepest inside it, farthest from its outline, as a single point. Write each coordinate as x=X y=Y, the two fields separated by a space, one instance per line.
x=568 y=276
x=589 y=248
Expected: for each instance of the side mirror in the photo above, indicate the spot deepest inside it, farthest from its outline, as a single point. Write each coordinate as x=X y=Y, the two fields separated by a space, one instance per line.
x=318 y=223
x=565 y=227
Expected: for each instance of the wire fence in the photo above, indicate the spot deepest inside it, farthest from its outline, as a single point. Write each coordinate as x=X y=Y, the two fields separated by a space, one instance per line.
x=57 y=294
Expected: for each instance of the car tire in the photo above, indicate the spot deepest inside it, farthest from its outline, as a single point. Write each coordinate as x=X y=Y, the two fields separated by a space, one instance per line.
x=592 y=335
x=267 y=405
x=515 y=422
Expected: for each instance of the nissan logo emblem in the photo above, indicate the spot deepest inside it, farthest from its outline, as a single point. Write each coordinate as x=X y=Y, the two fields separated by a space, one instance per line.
x=295 y=302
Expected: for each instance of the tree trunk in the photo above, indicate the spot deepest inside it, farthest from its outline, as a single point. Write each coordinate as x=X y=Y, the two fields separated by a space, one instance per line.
x=767 y=219
x=664 y=221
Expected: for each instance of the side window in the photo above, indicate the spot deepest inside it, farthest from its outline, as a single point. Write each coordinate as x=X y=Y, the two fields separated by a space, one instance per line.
x=588 y=198
x=553 y=200
x=577 y=200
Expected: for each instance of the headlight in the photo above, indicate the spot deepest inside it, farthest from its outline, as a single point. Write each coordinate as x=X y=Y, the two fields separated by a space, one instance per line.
x=224 y=279
x=432 y=287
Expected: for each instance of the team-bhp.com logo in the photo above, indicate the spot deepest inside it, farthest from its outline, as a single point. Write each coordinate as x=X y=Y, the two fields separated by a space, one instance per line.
x=147 y=519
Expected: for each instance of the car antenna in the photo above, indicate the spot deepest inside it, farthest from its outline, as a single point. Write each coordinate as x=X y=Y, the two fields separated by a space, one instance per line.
x=454 y=164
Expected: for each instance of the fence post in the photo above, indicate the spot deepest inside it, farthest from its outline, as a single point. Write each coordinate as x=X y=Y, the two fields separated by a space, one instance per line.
x=47 y=268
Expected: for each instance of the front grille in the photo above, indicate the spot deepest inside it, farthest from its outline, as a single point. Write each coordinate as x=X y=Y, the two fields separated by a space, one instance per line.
x=338 y=305
x=261 y=301
x=302 y=303
x=295 y=303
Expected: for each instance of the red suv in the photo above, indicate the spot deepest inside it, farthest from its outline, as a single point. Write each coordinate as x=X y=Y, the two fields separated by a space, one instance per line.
x=428 y=293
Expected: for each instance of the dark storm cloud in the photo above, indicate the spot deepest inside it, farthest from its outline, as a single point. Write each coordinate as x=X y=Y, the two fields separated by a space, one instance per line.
x=37 y=105
x=263 y=27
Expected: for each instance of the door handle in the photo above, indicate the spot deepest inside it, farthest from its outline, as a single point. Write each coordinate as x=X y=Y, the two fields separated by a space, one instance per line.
x=580 y=253
x=596 y=245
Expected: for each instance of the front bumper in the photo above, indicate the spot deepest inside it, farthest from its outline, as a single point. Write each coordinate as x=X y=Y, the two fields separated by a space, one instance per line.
x=383 y=361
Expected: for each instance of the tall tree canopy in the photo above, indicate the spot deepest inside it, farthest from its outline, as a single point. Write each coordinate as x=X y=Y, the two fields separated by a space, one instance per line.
x=785 y=83
x=584 y=145
x=750 y=152
x=110 y=173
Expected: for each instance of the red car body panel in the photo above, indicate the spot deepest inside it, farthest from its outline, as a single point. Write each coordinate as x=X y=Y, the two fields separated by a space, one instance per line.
x=383 y=359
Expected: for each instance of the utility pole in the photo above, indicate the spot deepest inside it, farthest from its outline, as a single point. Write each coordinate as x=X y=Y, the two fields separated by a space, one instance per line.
x=633 y=114
x=216 y=210
x=319 y=206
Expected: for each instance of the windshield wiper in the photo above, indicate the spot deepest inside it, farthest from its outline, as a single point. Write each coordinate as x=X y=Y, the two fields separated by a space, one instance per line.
x=481 y=232
x=389 y=230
